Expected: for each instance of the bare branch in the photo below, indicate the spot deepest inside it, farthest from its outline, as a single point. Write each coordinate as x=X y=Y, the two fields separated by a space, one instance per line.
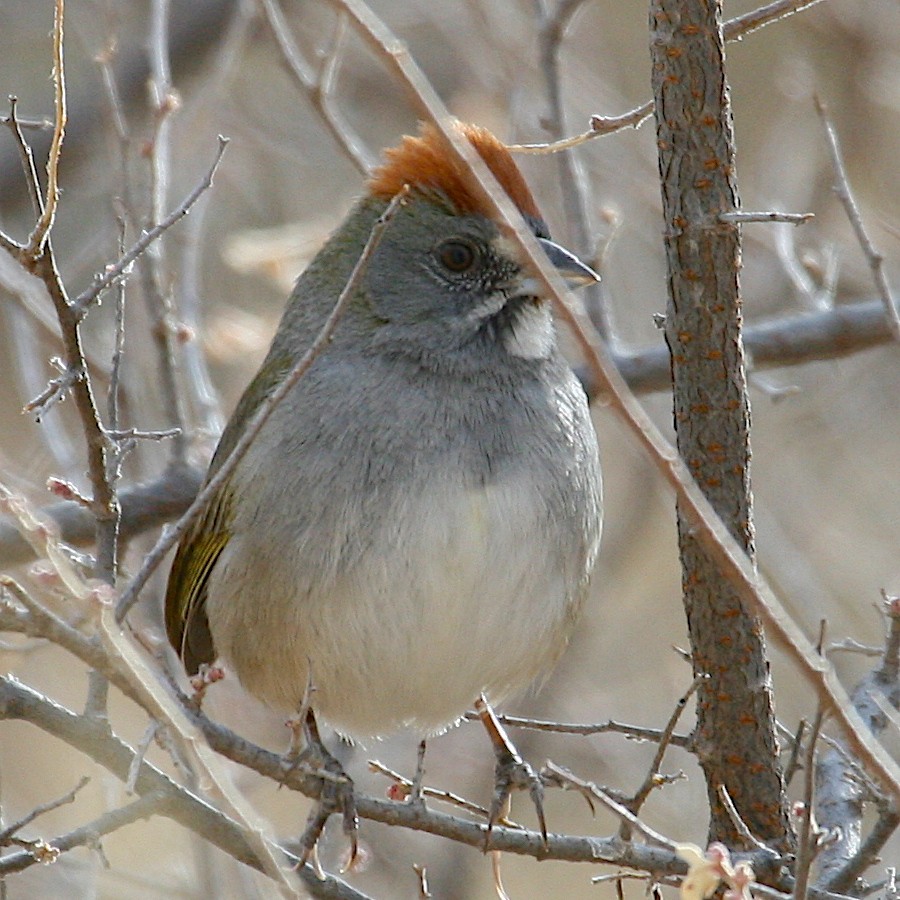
x=318 y=86
x=845 y=195
x=41 y=231
x=733 y=30
x=144 y=506
x=121 y=268
x=68 y=797
x=652 y=779
x=93 y=738
x=741 y=216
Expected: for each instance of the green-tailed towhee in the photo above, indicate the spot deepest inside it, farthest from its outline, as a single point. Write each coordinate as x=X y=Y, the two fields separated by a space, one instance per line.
x=416 y=522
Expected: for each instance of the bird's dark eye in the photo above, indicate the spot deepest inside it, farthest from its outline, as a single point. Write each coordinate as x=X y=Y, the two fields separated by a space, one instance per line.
x=457 y=256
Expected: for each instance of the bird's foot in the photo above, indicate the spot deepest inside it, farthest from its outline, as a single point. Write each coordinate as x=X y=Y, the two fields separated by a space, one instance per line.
x=512 y=773
x=334 y=788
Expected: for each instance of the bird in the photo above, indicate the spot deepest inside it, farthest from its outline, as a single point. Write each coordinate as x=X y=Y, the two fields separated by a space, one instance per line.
x=414 y=527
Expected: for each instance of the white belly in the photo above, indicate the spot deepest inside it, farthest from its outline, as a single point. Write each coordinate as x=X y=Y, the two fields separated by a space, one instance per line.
x=466 y=592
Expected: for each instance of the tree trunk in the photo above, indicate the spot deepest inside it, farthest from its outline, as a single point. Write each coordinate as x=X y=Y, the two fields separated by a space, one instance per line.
x=735 y=732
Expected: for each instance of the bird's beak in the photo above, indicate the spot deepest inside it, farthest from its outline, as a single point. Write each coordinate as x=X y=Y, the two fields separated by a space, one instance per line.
x=574 y=272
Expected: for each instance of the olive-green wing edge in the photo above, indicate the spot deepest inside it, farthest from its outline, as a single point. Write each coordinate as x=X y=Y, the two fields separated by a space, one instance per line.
x=186 y=622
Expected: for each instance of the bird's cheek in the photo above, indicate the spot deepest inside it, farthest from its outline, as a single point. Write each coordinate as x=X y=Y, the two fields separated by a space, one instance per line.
x=485 y=307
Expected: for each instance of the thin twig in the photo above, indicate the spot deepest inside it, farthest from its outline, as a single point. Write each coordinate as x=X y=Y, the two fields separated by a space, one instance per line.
x=29 y=168
x=268 y=405
x=744 y=216
x=41 y=232
x=634 y=732
x=447 y=797
x=318 y=86
x=565 y=778
x=112 y=273
x=652 y=779
x=39 y=810
x=842 y=189
x=807 y=840
x=733 y=30
x=765 y=15
x=740 y=825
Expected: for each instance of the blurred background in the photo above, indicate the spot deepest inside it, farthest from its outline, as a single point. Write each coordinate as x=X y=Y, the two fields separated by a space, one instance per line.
x=826 y=437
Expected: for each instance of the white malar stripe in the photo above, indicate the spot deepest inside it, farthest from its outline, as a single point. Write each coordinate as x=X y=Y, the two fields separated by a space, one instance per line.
x=531 y=333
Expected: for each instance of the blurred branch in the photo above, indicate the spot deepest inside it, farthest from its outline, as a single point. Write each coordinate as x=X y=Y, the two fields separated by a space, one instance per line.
x=733 y=30
x=144 y=506
x=152 y=266
x=553 y=23
x=842 y=794
x=781 y=341
x=845 y=195
x=318 y=84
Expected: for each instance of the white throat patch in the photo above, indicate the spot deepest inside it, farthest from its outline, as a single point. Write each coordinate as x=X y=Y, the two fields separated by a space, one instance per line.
x=530 y=335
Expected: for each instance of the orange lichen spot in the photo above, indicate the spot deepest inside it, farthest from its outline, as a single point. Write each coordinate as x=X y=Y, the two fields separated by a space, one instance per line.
x=424 y=162
x=685 y=337
x=747 y=719
x=690 y=29
x=695 y=464
x=673 y=79
x=680 y=222
x=691 y=275
x=726 y=640
x=713 y=482
x=700 y=408
x=711 y=164
x=702 y=183
x=709 y=121
x=714 y=354
x=734 y=759
x=674 y=52
x=715 y=447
